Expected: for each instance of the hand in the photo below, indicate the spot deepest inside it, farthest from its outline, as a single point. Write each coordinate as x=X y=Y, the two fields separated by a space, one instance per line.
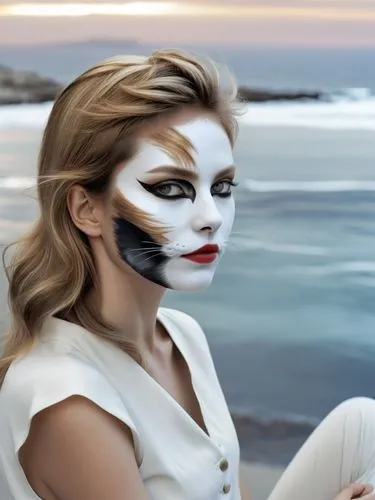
x=355 y=491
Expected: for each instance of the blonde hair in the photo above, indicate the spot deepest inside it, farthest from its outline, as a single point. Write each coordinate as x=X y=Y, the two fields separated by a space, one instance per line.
x=91 y=129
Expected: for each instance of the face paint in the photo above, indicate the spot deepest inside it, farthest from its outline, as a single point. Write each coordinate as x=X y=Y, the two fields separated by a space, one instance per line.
x=167 y=210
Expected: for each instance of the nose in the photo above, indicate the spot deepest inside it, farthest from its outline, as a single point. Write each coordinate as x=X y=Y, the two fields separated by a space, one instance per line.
x=207 y=217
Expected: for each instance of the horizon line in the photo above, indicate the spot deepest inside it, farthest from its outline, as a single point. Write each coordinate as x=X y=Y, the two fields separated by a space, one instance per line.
x=202 y=44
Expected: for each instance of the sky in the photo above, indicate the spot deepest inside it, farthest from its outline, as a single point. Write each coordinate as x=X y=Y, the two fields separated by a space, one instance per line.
x=312 y=23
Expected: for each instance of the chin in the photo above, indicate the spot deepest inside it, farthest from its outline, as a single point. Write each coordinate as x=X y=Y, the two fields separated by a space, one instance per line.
x=191 y=285
x=189 y=278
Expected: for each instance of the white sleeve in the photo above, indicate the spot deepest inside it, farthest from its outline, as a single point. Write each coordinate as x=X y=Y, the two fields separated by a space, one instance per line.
x=36 y=386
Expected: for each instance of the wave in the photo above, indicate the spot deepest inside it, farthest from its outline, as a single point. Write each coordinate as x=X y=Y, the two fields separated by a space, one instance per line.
x=309 y=186
x=17 y=182
x=334 y=268
x=32 y=116
x=268 y=246
x=367 y=281
x=351 y=94
x=349 y=109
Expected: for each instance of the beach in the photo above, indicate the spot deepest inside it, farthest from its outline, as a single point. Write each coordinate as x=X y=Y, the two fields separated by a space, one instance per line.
x=290 y=316
x=260 y=479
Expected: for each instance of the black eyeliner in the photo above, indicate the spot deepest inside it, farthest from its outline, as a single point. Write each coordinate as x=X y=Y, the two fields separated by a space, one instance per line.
x=147 y=187
x=152 y=188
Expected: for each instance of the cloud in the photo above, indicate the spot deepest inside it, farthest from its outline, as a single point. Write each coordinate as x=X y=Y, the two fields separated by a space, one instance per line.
x=276 y=22
x=269 y=9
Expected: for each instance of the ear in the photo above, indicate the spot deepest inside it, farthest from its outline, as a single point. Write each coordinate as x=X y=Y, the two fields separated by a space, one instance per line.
x=86 y=211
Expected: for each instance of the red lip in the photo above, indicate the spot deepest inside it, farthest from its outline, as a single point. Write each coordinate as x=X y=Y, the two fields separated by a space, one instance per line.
x=204 y=255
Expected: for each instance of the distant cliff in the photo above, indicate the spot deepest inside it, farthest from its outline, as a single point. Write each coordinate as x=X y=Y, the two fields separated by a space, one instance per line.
x=20 y=87
x=247 y=94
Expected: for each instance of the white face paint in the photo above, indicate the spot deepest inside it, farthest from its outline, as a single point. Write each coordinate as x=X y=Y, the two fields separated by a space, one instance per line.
x=195 y=212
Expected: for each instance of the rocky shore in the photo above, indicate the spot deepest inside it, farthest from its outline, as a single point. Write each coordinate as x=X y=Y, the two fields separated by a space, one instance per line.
x=274 y=442
x=21 y=87
x=262 y=95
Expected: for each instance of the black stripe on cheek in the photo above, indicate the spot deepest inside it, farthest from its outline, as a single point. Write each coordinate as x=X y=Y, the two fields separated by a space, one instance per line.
x=133 y=245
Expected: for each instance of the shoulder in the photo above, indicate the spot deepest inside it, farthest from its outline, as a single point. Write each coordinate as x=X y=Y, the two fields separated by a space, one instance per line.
x=57 y=364
x=67 y=437
x=51 y=373
x=50 y=368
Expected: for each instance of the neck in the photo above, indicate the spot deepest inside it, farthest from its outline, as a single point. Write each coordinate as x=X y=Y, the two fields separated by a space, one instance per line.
x=129 y=302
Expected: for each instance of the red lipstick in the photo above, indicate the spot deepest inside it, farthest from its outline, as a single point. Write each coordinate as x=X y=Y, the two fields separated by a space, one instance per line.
x=204 y=255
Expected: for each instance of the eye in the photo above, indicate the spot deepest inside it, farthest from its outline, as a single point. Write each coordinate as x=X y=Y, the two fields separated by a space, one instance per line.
x=223 y=188
x=170 y=190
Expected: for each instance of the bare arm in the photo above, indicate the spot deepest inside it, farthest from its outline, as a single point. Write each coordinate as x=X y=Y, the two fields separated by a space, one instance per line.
x=77 y=450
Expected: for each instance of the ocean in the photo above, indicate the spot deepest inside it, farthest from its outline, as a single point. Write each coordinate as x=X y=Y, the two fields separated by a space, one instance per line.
x=290 y=317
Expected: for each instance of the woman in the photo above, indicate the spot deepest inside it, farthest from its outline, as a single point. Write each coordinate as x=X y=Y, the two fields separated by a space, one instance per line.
x=105 y=395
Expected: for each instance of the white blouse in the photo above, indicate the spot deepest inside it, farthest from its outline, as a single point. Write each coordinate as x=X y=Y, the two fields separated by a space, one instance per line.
x=177 y=460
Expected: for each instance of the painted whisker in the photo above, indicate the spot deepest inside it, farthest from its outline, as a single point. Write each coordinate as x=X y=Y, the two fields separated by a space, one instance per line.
x=152 y=253
x=141 y=249
x=149 y=258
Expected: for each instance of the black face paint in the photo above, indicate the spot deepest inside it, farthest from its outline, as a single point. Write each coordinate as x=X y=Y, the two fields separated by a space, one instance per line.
x=134 y=247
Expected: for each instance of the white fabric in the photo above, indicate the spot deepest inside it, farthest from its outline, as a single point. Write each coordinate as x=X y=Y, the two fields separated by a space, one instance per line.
x=177 y=459
x=339 y=452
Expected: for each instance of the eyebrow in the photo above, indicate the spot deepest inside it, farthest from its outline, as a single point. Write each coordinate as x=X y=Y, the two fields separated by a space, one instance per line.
x=189 y=175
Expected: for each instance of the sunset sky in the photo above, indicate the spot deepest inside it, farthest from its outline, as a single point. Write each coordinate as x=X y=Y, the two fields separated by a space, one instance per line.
x=271 y=22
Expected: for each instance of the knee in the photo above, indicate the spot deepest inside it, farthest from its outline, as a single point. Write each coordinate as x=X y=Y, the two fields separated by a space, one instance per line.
x=359 y=407
x=357 y=403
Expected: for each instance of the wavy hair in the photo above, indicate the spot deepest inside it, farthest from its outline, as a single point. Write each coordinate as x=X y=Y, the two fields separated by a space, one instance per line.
x=91 y=129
